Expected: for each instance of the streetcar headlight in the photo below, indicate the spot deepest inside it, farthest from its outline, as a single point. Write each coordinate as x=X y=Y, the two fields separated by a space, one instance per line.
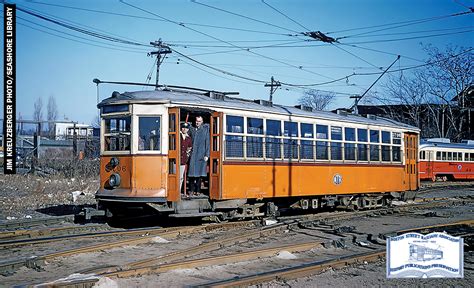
x=114 y=161
x=114 y=180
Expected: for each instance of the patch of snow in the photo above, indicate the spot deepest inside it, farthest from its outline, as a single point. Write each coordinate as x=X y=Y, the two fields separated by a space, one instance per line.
x=286 y=255
x=11 y=217
x=76 y=194
x=270 y=222
x=105 y=282
x=158 y=239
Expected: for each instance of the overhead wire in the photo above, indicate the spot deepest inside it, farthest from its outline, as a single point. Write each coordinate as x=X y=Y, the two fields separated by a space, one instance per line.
x=411 y=22
x=224 y=41
x=286 y=16
x=245 y=17
x=155 y=19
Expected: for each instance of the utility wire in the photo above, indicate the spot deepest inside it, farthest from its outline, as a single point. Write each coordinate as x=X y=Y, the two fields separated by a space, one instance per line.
x=286 y=16
x=360 y=58
x=383 y=52
x=411 y=38
x=82 y=42
x=404 y=25
x=411 y=22
x=245 y=17
x=90 y=33
x=227 y=42
x=76 y=36
x=155 y=19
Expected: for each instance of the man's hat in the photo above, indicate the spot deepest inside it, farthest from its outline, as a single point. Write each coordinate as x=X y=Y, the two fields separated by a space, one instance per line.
x=185 y=125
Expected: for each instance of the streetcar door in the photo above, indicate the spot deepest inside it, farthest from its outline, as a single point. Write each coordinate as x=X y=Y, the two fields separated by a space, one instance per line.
x=411 y=155
x=429 y=164
x=215 y=157
x=173 y=154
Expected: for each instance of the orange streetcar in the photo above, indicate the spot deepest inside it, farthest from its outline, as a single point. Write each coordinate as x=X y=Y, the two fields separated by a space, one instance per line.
x=446 y=161
x=262 y=156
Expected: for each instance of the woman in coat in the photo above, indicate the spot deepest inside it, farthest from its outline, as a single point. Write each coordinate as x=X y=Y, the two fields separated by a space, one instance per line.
x=186 y=146
x=199 y=155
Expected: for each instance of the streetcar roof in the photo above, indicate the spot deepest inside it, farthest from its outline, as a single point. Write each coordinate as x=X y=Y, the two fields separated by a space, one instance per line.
x=203 y=100
x=430 y=144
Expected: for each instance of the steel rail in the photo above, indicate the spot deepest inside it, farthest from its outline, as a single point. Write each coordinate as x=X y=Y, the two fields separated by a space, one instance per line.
x=30 y=233
x=302 y=270
x=308 y=269
x=15 y=224
x=9 y=266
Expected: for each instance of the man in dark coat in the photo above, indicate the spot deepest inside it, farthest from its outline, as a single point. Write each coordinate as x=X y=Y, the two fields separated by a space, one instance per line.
x=199 y=155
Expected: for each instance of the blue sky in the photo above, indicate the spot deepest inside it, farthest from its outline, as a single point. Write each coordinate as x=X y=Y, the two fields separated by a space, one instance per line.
x=48 y=64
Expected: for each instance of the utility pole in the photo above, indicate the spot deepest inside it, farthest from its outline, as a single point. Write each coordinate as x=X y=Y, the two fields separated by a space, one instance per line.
x=356 y=102
x=273 y=86
x=162 y=49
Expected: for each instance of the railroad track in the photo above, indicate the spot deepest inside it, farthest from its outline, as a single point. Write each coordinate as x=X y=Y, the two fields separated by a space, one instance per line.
x=308 y=269
x=165 y=263
x=141 y=236
x=149 y=265
x=18 y=224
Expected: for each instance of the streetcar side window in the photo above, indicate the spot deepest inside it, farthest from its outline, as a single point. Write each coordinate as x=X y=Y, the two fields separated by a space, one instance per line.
x=254 y=126
x=455 y=156
x=307 y=146
x=336 y=133
x=234 y=124
x=254 y=143
x=397 y=138
x=322 y=150
x=349 y=134
x=472 y=156
x=466 y=156
x=321 y=131
x=450 y=156
x=396 y=154
x=444 y=155
x=362 y=135
x=290 y=129
x=234 y=146
x=386 y=137
x=117 y=134
x=438 y=155
x=290 y=146
x=273 y=127
x=460 y=156
x=374 y=136
x=149 y=132
x=272 y=144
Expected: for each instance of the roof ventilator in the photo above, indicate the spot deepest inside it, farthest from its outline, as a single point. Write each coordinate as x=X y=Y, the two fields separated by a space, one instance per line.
x=371 y=116
x=216 y=95
x=342 y=112
x=304 y=108
x=263 y=102
x=115 y=94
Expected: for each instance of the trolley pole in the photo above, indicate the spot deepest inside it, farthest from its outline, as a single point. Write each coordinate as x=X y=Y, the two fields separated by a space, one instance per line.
x=162 y=49
x=356 y=102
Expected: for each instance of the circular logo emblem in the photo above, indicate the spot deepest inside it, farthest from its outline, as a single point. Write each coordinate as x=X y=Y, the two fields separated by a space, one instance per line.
x=337 y=179
x=459 y=167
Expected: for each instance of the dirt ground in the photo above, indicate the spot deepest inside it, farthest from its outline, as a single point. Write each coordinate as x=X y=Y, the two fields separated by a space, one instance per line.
x=26 y=196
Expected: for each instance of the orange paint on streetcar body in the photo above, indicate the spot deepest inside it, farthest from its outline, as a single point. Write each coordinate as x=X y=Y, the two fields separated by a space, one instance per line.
x=141 y=176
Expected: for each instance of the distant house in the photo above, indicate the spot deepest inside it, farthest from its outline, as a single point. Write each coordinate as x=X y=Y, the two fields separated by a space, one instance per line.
x=66 y=130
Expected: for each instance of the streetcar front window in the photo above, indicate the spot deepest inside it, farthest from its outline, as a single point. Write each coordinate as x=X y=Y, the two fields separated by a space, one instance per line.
x=149 y=131
x=117 y=134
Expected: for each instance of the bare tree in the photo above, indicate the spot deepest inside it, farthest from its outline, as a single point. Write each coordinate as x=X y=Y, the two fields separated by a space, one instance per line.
x=52 y=114
x=38 y=110
x=318 y=100
x=451 y=73
x=424 y=98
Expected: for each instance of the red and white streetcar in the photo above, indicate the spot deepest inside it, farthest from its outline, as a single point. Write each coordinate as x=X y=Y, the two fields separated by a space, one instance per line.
x=440 y=159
